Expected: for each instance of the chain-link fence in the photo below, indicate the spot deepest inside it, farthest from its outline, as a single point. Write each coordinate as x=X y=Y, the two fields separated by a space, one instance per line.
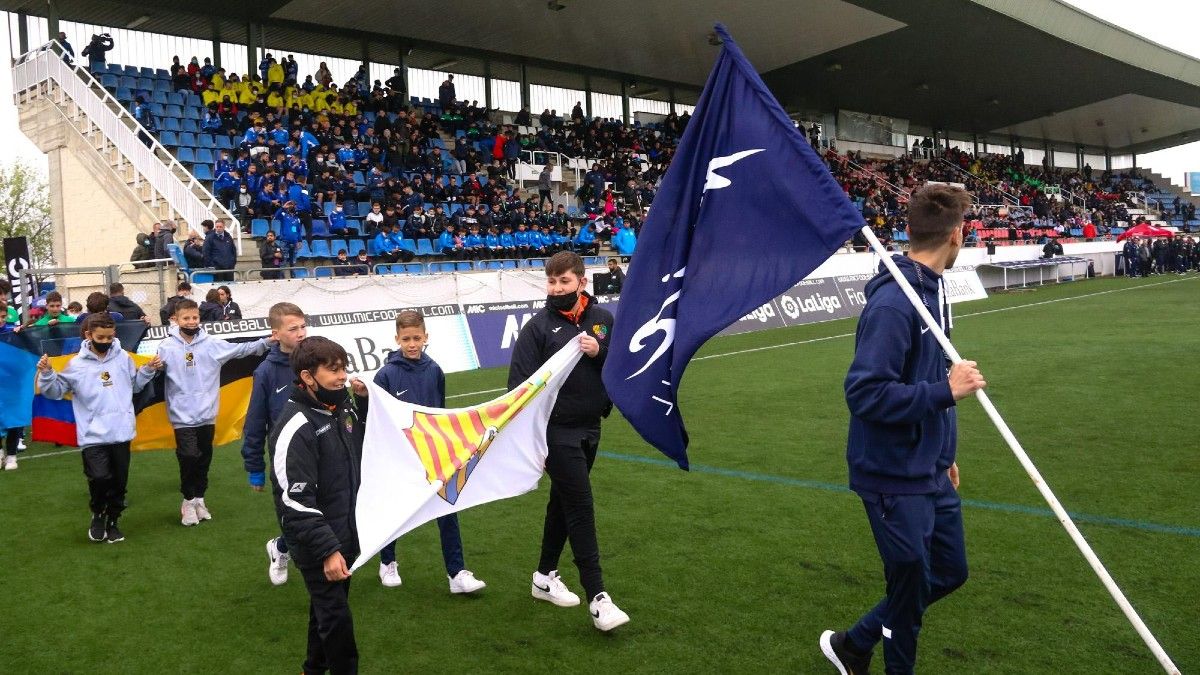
x=148 y=286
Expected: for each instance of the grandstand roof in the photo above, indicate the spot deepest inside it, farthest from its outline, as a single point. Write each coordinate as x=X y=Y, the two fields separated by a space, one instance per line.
x=1033 y=69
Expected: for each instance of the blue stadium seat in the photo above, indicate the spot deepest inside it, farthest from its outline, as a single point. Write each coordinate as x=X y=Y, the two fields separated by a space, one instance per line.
x=170 y=124
x=372 y=249
x=191 y=113
x=177 y=98
x=537 y=263
x=336 y=245
x=323 y=272
x=327 y=208
x=186 y=155
x=161 y=87
x=355 y=225
x=359 y=178
x=173 y=111
x=145 y=71
x=114 y=69
x=276 y=226
x=187 y=139
x=492 y=265
x=127 y=82
x=408 y=245
x=131 y=71
x=205 y=140
x=158 y=109
x=302 y=250
x=425 y=247
x=414 y=268
x=320 y=227
x=202 y=171
x=124 y=95
x=191 y=126
x=223 y=143
x=205 y=156
x=202 y=278
x=384 y=269
x=508 y=264
x=192 y=99
x=259 y=227
x=364 y=208
x=299 y=273
x=354 y=246
x=145 y=83
x=169 y=138
x=160 y=98
x=162 y=74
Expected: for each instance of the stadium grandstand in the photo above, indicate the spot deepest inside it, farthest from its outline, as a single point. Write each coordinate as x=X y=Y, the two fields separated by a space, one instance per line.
x=432 y=118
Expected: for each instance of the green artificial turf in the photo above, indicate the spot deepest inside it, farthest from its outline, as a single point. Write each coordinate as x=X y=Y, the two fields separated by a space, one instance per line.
x=736 y=566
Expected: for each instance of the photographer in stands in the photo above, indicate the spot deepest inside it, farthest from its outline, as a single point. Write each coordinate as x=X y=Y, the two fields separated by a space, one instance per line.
x=95 y=51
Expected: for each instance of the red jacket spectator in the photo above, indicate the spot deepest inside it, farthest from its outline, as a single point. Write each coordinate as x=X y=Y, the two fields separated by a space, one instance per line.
x=1089 y=230
x=498 y=147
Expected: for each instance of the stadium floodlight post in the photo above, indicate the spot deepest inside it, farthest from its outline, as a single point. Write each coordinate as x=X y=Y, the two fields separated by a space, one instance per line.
x=1063 y=517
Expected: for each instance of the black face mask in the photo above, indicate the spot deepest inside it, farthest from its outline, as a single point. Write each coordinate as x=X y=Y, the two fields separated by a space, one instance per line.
x=190 y=332
x=332 y=397
x=563 y=303
x=102 y=347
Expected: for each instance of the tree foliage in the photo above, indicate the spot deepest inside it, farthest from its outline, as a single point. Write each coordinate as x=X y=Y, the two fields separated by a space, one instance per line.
x=25 y=210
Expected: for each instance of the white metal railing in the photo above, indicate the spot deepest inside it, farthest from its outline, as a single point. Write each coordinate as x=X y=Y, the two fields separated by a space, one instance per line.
x=153 y=162
x=1009 y=198
x=901 y=193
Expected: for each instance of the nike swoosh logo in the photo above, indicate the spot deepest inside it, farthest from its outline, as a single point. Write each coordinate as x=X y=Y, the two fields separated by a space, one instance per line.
x=556 y=329
x=596 y=614
x=924 y=330
x=281 y=389
x=401 y=393
x=544 y=589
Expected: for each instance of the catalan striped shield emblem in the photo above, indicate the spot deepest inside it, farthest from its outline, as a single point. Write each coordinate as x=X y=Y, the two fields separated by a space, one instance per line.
x=450 y=444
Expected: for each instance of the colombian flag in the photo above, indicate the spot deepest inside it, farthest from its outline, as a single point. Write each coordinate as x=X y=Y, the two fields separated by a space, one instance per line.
x=54 y=421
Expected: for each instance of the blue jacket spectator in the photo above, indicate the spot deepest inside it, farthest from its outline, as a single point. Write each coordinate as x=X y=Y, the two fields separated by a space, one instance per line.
x=307 y=142
x=226 y=181
x=290 y=230
x=298 y=193
x=507 y=240
x=337 y=220
x=625 y=241
x=446 y=242
x=586 y=236
x=522 y=238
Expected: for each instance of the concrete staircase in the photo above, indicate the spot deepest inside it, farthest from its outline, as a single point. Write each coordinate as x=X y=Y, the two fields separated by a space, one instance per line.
x=106 y=184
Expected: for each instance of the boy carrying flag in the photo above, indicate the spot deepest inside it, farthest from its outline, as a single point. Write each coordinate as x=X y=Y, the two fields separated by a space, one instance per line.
x=192 y=361
x=102 y=381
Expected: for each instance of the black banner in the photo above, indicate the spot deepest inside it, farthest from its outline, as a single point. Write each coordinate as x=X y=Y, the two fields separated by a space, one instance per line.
x=16 y=259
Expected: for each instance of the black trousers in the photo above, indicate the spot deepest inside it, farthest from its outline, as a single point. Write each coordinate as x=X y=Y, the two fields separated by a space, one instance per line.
x=194 y=449
x=331 y=645
x=570 y=514
x=12 y=439
x=107 y=470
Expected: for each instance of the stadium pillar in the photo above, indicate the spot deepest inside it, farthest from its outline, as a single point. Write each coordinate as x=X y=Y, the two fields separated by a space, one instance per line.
x=216 y=43
x=23 y=31
x=625 y=102
x=524 y=86
x=52 y=19
x=671 y=99
x=251 y=62
x=1079 y=157
x=1133 y=160
x=487 y=84
x=587 y=95
x=1107 y=160
x=400 y=62
x=975 y=143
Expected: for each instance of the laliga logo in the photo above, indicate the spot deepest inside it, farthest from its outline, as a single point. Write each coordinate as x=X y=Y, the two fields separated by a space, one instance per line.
x=795 y=306
x=666 y=325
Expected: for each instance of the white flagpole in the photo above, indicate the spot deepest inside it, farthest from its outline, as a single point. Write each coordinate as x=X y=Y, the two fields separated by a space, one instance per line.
x=1034 y=474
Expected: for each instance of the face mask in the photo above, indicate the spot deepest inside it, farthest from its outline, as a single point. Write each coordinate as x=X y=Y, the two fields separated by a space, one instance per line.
x=102 y=347
x=563 y=303
x=190 y=332
x=332 y=397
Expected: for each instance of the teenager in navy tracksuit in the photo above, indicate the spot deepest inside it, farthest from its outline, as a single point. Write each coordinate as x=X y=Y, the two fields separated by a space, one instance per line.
x=903 y=437
x=411 y=376
x=273 y=379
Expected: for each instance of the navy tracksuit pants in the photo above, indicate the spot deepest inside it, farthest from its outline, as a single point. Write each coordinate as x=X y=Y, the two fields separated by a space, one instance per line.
x=920 y=539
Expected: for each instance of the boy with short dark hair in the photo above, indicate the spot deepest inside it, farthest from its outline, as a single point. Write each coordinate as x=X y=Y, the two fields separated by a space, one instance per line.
x=272 y=381
x=317 y=449
x=411 y=376
x=54 y=311
x=101 y=380
x=572 y=435
x=192 y=361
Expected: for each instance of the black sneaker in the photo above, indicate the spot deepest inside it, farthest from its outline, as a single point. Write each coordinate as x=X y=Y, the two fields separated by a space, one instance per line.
x=96 y=531
x=833 y=645
x=113 y=533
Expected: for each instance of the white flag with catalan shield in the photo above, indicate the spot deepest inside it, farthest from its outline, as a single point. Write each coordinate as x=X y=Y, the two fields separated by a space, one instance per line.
x=422 y=463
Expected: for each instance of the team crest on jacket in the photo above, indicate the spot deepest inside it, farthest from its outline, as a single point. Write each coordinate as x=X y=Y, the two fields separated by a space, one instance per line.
x=106 y=379
x=349 y=423
x=450 y=444
x=190 y=358
x=600 y=330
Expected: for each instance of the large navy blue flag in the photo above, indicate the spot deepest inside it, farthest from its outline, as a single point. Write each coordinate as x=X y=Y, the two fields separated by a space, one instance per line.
x=746 y=210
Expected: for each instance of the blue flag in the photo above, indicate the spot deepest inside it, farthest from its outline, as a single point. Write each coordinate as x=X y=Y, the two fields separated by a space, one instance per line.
x=746 y=210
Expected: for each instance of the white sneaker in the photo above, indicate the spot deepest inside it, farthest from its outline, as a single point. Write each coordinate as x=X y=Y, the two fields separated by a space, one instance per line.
x=21 y=444
x=277 y=571
x=550 y=587
x=606 y=615
x=465 y=582
x=187 y=513
x=10 y=463
x=202 y=509
x=389 y=575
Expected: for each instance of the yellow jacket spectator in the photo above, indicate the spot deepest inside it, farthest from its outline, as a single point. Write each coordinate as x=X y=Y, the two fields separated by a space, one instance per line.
x=275 y=74
x=210 y=95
